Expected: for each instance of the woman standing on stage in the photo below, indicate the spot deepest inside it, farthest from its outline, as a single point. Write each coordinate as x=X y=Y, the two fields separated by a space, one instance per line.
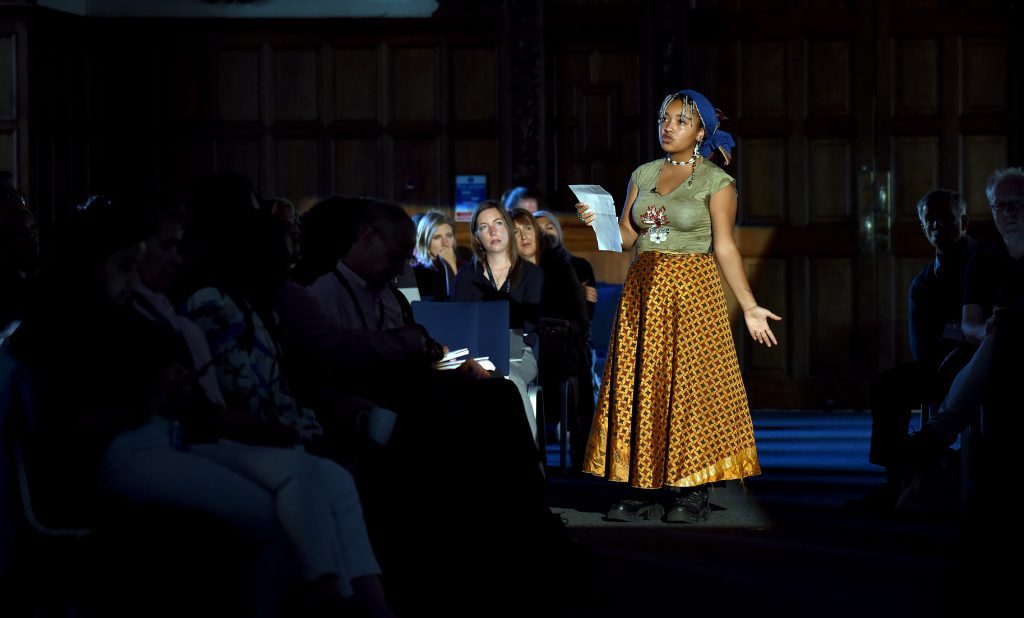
x=673 y=409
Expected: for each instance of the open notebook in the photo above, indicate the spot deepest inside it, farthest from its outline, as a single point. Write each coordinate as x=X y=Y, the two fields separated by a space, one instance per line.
x=455 y=358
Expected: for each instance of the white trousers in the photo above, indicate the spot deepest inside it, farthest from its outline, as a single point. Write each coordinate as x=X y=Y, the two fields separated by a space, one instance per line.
x=268 y=493
x=522 y=373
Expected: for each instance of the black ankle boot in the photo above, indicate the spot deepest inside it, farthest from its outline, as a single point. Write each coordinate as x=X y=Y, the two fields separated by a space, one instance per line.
x=692 y=507
x=635 y=510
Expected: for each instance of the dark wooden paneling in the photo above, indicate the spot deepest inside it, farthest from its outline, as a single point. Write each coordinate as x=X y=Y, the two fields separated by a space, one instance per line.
x=984 y=75
x=238 y=85
x=417 y=165
x=833 y=321
x=474 y=84
x=764 y=79
x=572 y=67
x=597 y=108
x=8 y=76
x=601 y=130
x=828 y=186
x=917 y=76
x=762 y=184
x=183 y=90
x=356 y=83
x=982 y=155
x=295 y=84
x=9 y=151
x=829 y=77
x=623 y=70
x=477 y=156
x=242 y=156
x=915 y=171
x=298 y=164
x=414 y=77
x=763 y=5
x=357 y=167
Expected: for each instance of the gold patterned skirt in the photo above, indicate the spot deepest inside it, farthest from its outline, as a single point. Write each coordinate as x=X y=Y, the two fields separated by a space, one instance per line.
x=673 y=409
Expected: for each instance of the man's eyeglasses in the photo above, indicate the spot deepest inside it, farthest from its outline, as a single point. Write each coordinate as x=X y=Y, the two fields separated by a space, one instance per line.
x=1007 y=206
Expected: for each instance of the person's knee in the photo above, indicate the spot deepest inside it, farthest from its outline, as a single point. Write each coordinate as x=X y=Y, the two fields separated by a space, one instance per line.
x=336 y=479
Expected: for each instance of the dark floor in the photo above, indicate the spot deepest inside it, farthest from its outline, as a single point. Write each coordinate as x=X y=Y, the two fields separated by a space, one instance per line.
x=784 y=544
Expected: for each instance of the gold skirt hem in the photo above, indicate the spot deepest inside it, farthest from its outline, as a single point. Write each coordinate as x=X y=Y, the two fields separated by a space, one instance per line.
x=735 y=467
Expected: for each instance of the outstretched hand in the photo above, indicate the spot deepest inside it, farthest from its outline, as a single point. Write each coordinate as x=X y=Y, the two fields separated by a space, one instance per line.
x=586 y=215
x=757 y=323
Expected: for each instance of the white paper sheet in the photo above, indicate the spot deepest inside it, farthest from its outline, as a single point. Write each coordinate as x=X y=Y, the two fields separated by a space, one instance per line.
x=606 y=225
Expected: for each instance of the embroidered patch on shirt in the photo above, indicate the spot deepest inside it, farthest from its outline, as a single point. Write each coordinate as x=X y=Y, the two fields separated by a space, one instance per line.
x=657 y=219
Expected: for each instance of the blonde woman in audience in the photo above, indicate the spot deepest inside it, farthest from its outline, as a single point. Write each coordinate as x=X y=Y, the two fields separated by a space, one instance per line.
x=434 y=258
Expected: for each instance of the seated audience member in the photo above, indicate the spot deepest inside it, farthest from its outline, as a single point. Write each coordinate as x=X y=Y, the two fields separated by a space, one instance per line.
x=158 y=269
x=107 y=422
x=435 y=262
x=498 y=273
x=521 y=197
x=564 y=326
x=993 y=315
x=285 y=212
x=488 y=460
x=233 y=305
x=936 y=340
x=320 y=332
x=550 y=227
x=213 y=206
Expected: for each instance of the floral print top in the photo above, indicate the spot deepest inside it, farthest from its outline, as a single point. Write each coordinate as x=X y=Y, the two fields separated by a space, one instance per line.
x=248 y=362
x=680 y=221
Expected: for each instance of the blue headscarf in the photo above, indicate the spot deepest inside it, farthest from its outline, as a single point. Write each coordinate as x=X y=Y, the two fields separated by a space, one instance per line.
x=714 y=138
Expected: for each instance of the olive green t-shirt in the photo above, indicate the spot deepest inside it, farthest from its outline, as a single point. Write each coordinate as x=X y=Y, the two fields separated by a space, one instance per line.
x=679 y=222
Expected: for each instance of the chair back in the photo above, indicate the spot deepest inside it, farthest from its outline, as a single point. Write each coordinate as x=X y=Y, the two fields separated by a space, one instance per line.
x=482 y=327
x=15 y=424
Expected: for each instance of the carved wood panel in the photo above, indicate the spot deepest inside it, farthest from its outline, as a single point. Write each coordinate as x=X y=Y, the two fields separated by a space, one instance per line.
x=830 y=173
x=356 y=83
x=984 y=71
x=238 y=85
x=243 y=156
x=413 y=84
x=416 y=164
x=917 y=76
x=764 y=79
x=8 y=76
x=915 y=170
x=297 y=170
x=982 y=155
x=832 y=319
x=475 y=84
x=763 y=180
x=357 y=167
x=829 y=77
x=296 y=84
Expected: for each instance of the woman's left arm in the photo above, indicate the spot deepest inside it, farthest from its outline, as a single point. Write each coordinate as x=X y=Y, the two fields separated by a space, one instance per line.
x=723 y=218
